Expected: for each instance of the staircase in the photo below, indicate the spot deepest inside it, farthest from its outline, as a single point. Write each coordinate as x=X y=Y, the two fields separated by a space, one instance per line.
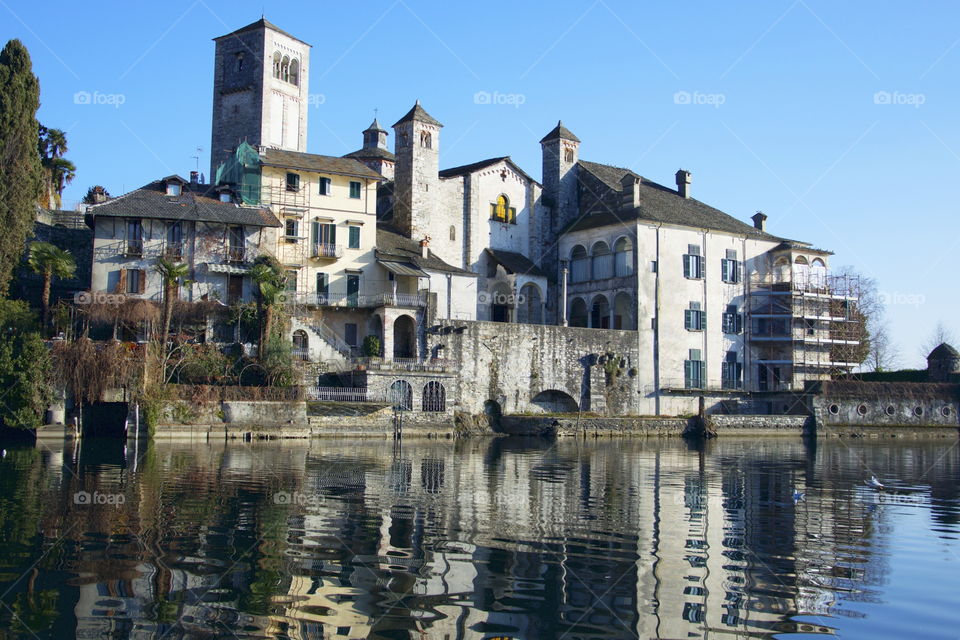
x=331 y=347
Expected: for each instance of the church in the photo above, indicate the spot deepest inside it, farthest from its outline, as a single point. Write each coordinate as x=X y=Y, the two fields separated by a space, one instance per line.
x=391 y=245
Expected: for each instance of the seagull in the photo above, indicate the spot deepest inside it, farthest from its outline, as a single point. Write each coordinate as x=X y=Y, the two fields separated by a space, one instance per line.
x=798 y=495
x=874 y=483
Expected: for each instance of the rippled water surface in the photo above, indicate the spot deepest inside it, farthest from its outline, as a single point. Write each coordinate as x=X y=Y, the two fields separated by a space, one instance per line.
x=517 y=538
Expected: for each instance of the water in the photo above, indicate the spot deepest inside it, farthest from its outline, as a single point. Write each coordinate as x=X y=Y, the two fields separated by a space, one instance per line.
x=515 y=538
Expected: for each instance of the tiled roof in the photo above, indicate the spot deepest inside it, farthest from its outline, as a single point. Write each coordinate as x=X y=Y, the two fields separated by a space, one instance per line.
x=393 y=245
x=944 y=351
x=314 y=162
x=196 y=202
x=375 y=126
x=561 y=132
x=483 y=164
x=660 y=204
x=515 y=262
x=417 y=113
x=372 y=152
x=261 y=24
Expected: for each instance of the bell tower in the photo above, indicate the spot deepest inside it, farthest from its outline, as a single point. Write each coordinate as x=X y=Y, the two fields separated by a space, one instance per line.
x=260 y=91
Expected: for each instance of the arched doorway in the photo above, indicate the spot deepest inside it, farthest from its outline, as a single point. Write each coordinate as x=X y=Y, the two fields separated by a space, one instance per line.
x=401 y=395
x=623 y=312
x=600 y=313
x=578 y=313
x=530 y=305
x=301 y=345
x=554 y=401
x=434 y=397
x=375 y=328
x=501 y=303
x=404 y=337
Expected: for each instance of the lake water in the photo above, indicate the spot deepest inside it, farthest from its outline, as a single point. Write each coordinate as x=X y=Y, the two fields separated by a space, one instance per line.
x=516 y=538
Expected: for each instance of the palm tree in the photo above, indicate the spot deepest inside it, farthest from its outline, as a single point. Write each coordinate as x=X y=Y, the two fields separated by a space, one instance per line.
x=268 y=275
x=171 y=274
x=50 y=261
x=52 y=145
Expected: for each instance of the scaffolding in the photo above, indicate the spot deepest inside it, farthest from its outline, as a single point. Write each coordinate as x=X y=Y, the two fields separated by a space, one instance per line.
x=804 y=328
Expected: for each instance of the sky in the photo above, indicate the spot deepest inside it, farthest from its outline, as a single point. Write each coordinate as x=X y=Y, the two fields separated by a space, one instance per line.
x=836 y=119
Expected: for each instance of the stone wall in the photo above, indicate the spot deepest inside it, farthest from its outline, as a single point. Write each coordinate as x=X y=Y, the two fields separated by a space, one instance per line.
x=595 y=427
x=884 y=404
x=741 y=425
x=524 y=368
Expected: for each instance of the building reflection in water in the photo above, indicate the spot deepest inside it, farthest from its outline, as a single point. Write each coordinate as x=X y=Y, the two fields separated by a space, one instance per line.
x=466 y=539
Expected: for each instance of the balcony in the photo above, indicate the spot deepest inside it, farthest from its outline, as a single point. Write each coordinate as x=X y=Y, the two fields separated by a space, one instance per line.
x=366 y=301
x=133 y=249
x=239 y=255
x=173 y=251
x=321 y=251
x=435 y=365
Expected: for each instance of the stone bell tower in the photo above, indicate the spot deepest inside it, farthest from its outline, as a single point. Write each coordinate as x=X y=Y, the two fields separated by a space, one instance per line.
x=260 y=91
x=417 y=172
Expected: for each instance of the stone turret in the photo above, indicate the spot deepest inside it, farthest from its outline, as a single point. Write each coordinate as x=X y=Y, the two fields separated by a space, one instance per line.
x=374 y=152
x=416 y=179
x=943 y=363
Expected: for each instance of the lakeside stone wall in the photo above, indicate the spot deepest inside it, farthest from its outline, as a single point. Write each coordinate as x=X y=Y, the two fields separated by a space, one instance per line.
x=885 y=404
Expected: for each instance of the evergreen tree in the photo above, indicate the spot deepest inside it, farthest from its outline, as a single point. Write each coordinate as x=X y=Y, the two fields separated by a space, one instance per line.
x=25 y=370
x=20 y=171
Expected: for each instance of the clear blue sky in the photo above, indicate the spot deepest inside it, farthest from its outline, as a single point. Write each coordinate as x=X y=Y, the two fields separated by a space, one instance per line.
x=783 y=114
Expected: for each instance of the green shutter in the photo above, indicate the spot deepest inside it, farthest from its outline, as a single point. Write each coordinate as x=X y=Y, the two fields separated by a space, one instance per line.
x=314 y=233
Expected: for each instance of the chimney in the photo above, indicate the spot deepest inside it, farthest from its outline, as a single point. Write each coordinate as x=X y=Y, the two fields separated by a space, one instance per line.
x=194 y=177
x=99 y=195
x=759 y=220
x=425 y=247
x=629 y=191
x=683 y=183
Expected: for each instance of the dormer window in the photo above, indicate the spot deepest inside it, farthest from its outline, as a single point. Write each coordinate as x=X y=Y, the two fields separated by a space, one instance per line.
x=173 y=188
x=225 y=197
x=293 y=182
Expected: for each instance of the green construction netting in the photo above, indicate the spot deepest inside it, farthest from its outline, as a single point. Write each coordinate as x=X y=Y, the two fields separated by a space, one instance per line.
x=242 y=172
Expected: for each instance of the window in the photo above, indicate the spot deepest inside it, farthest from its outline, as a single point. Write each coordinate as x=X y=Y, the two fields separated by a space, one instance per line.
x=291 y=283
x=732 y=372
x=730 y=267
x=134 y=237
x=173 y=188
x=276 y=65
x=294 y=72
x=324 y=240
x=623 y=254
x=453 y=233
x=136 y=281
x=325 y=187
x=579 y=264
x=693 y=263
x=502 y=211
x=694 y=319
x=174 y=248
x=426 y=140
x=225 y=197
x=292 y=228
x=568 y=155
x=240 y=62
x=301 y=345
x=323 y=287
x=401 y=395
x=293 y=182
x=355 y=189
x=693 y=370
x=732 y=320
x=350 y=333
x=285 y=69
x=354 y=240
x=434 y=397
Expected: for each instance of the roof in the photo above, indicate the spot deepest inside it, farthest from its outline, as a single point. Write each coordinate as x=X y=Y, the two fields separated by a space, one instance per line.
x=375 y=126
x=396 y=247
x=372 y=152
x=660 y=204
x=515 y=262
x=787 y=245
x=262 y=23
x=403 y=269
x=483 y=164
x=943 y=351
x=561 y=132
x=314 y=162
x=417 y=113
x=196 y=202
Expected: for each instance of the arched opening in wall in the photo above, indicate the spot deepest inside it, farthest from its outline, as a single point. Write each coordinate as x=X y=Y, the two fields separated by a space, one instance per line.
x=434 y=397
x=301 y=345
x=818 y=274
x=453 y=233
x=404 y=337
x=602 y=259
x=781 y=270
x=578 y=313
x=624 y=312
x=401 y=395
x=375 y=328
x=623 y=257
x=276 y=64
x=501 y=303
x=295 y=72
x=579 y=264
x=555 y=401
x=285 y=69
x=801 y=273
x=530 y=305
x=426 y=140
x=492 y=409
x=600 y=313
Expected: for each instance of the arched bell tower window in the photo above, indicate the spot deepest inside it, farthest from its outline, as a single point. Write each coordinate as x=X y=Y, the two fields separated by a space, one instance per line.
x=285 y=69
x=276 y=65
x=568 y=155
x=295 y=72
x=426 y=140
x=502 y=211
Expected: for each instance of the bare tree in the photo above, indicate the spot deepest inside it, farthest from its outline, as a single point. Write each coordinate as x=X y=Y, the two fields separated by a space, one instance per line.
x=940 y=334
x=883 y=354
